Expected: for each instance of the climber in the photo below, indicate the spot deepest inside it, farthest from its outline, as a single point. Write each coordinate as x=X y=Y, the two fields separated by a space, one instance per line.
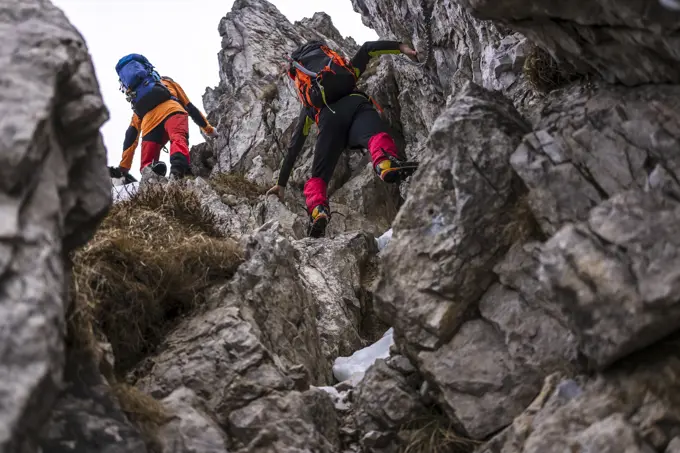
x=345 y=118
x=160 y=113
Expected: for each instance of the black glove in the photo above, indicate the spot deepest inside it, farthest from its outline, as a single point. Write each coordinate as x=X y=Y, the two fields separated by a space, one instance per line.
x=121 y=172
x=116 y=172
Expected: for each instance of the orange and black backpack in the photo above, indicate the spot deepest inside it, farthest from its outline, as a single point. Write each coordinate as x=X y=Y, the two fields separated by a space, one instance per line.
x=321 y=75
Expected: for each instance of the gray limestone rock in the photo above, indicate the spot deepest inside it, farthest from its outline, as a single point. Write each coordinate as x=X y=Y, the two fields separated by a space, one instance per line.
x=54 y=190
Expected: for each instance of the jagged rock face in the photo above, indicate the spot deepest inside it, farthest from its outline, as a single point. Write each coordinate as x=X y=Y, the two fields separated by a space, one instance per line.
x=53 y=191
x=592 y=143
x=386 y=400
x=494 y=365
x=633 y=407
x=218 y=356
x=484 y=52
x=266 y=425
x=615 y=275
x=291 y=308
x=626 y=41
x=239 y=215
x=255 y=104
x=255 y=108
x=452 y=226
x=364 y=203
x=191 y=429
x=255 y=35
x=332 y=273
x=87 y=416
x=486 y=345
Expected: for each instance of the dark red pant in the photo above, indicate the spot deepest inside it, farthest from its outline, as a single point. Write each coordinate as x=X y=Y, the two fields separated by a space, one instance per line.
x=355 y=124
x=175 y=129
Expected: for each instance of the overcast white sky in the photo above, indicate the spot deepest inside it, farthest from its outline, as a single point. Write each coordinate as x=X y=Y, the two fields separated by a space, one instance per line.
x=180 y=38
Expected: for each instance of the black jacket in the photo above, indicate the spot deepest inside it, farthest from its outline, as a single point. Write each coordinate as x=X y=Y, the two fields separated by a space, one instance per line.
x=306 y=118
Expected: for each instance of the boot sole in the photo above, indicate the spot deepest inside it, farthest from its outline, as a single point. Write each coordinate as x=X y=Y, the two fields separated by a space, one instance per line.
x=318 y=228
x=394 y=175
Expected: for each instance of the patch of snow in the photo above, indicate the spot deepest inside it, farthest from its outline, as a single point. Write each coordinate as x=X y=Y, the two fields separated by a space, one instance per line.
x=339 y=398
x=354 y=367
x=383 y=240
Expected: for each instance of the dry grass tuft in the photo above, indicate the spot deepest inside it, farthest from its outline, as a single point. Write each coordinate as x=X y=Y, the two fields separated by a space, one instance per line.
x=146 y=267
x=434 y=435
x=173 y=201
x=236 y=184
x=521 y=224
x=144 y=411
x=544 y=73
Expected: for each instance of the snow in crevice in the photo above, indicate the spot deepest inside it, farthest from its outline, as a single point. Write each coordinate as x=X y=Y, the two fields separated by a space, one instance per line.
x=383 y=240
x=354 y=367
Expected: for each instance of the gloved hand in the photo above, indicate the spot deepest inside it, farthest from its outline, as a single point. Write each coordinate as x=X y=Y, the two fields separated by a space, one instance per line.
x=406 y=50
x=118 y=172
x=211 y=134
x=277 y=190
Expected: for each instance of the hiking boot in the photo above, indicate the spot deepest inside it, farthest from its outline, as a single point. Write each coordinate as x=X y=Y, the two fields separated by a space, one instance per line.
x=159 y=168
x=392 y=170
x=388 y=170
x=319 y=219
x=177 y=172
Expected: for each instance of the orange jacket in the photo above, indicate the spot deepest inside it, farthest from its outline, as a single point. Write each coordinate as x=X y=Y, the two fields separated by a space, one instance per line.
x=156 y=116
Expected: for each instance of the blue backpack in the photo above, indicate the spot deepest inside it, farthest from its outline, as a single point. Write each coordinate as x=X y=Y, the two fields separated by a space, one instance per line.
x=141 y=83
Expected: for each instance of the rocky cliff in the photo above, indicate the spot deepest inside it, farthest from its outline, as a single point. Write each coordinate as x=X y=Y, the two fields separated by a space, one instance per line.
x=530 y=279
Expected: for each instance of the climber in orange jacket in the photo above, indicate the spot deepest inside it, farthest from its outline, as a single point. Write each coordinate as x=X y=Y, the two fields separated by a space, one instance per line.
x=161 y=110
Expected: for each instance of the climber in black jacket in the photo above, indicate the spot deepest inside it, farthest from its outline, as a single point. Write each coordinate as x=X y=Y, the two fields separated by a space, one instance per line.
x=326 y=85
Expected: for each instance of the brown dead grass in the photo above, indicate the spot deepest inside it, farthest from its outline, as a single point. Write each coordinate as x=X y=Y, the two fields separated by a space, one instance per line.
x=544 y=73
x=434 y=434
x=145 y=412
x=146 y=267
x=521 y=224
x=236 y=184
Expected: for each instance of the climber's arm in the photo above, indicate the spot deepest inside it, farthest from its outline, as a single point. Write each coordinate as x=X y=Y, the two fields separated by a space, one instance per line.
x=372 y=49
x=191 y=109
x=304 y=123
x=130 y=143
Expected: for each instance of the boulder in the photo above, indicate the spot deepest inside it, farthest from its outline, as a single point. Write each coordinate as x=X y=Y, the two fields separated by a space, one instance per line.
x=191 y=428
x=457 y=222
x=592 y=143
x=630 y=407
x=54 y=190
x=615 y=277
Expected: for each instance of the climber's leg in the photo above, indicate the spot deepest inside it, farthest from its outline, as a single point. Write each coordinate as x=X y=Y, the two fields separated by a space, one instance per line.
x=151 y=152
x=330 y=143
x=369 y=131
x=152 y=143
x=177 y=128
